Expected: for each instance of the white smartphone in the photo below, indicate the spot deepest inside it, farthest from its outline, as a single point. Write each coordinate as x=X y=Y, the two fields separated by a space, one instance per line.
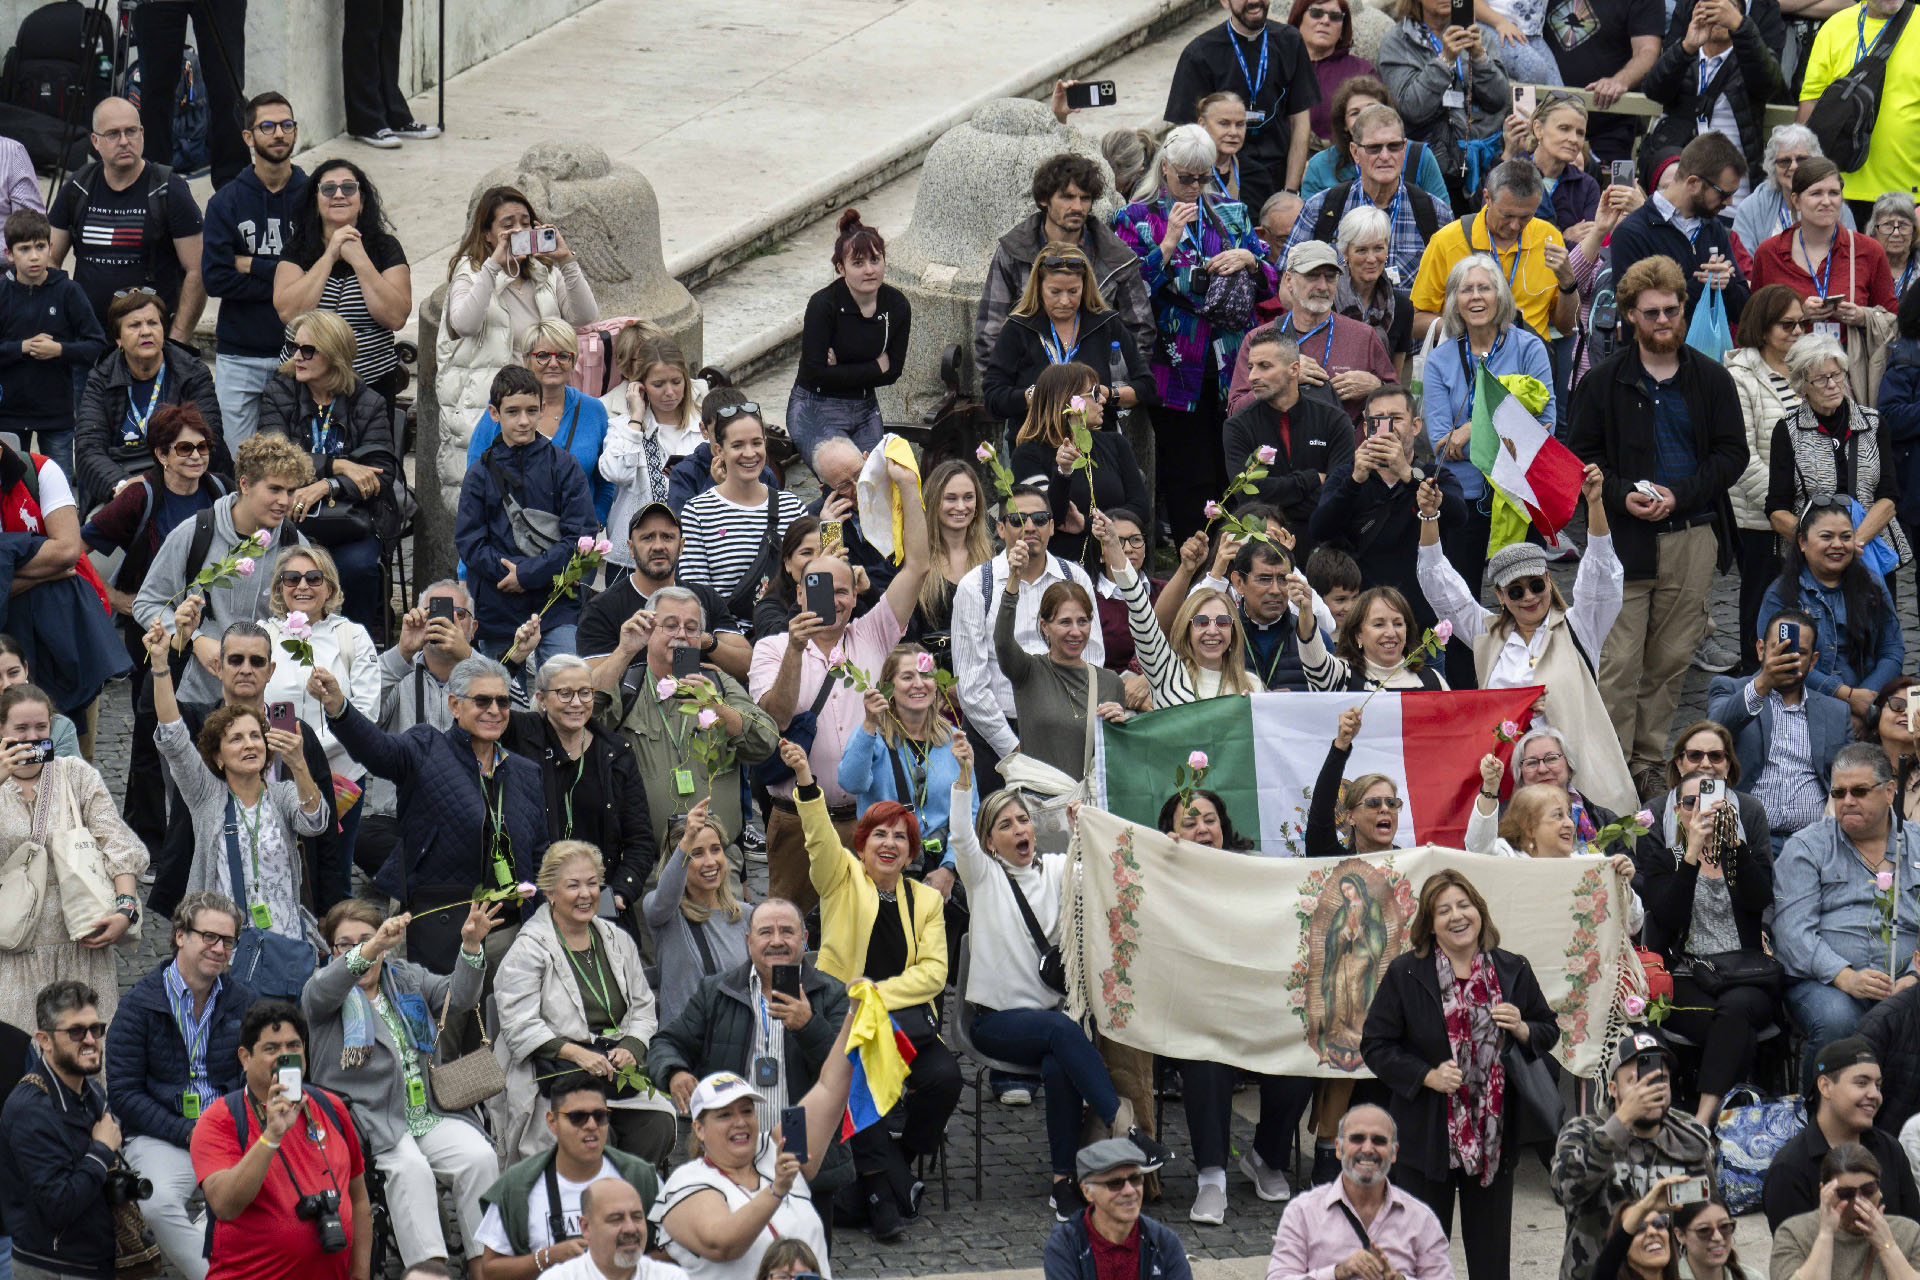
x=1712 y=789
x=287 y=1069
x=1621 y=173
x=1913 y=708
x=1525 y=97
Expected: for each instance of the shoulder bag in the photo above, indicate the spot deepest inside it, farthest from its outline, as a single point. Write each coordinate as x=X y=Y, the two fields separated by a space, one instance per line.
x=1533 y=1095
x=1053 y=970
x=1844 y=117
x=271 y=963
x=1047 y=791
x=800 y=731
x=747 y=591
x=1747 y=967
x=470 y=1079
x=23 y=889
x=79 y=867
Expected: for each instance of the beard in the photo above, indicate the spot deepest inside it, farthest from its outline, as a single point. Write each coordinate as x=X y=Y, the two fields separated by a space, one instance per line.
x=1664 y=346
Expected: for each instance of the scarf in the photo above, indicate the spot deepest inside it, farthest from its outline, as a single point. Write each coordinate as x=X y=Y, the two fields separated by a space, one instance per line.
x=1473 y=1112
x=1584 y=829
x=360 y=1020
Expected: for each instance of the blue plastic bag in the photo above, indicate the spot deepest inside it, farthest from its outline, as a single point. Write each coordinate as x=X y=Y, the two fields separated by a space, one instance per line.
x=1710 y=334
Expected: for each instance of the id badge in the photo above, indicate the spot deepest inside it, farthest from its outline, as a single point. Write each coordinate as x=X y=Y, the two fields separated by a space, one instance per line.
x=190 y=1104
x=1454 y=99
x=416 y=1092
x=1255 y=118
x=766 y=1071
x=262 y=916
x=1829 y=329
x=683 y=782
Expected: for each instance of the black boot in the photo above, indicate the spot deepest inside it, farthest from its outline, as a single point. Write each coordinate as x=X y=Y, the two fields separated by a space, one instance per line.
x=883 y=1209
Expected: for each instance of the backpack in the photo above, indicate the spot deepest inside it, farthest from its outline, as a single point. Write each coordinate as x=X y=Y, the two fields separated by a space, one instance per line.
x=61 y=62
x=1844 y=117
x=1601 y=337
x=153 y=232
x=595 y=371
x=1426 y=215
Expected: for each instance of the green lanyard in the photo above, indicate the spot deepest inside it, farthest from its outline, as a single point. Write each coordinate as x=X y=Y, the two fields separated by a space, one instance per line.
x=497 y=837
x=598 y=984
x=258 y=912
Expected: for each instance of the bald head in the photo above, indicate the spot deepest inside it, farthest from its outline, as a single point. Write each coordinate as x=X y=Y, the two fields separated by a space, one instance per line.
x=116 y=134
x=615 y=1223
x=837 y=461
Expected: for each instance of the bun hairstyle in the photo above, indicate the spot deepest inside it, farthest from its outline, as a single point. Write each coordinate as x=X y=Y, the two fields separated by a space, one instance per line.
x=856 y=240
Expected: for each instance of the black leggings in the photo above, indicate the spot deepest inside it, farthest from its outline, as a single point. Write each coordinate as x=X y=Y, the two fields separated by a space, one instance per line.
x=1759 y=566
x=1486 y=1215
x=1207 y=1089
x=1728 y=1035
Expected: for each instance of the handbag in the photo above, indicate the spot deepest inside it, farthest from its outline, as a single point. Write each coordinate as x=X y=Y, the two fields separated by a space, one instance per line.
x=79 y=868
x=1709 y=334
x=469 y=1079
x=1533 y=1095
x=337 y=523
x=1053 y=970
x=23 y=890
x=273 y=964
x=1747 y=967
x=754 y=581
x=1228 y=306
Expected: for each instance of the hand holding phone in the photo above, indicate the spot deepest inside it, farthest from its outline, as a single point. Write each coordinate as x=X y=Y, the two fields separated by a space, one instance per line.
x=786 y=980
x=1525 y=100
x=280 y=716
x=286 y=1069
x=1090 y=93
x=1789 y=636
x=793 y=1132
x=686 y=661
x=819 y=597
x=1620 y=174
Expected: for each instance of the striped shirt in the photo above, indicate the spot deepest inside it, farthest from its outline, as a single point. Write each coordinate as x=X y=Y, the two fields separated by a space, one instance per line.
x=723 y=537
x=373 y=356
x=194 y=1031
x=1788 y=786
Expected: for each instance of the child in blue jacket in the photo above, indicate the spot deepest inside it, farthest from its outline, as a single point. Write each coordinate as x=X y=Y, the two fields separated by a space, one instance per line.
x=48 y=333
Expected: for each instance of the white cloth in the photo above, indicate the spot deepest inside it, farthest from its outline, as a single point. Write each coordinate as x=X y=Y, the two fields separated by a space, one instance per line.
x=493 y=1233
x=985 y=693
x=55 y=490
x=346 y=649
x=1482 y=837
x=1004 y=966
x=1598 y=590
x=455 y=1153
x=170 y=1170
x=795 y=1219
x=873 y=496
x=583 y=1268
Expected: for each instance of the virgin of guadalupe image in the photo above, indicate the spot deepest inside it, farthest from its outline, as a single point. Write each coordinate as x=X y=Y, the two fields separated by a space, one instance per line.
x=1350 y=942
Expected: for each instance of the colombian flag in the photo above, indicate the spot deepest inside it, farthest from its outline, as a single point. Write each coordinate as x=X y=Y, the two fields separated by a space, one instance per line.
x=880 y=1054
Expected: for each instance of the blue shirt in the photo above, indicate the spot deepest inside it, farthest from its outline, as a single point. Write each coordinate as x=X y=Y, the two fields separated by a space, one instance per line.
x=1673 y=457
x=194 y=1031
x=866 y=773
x=1449 y=382
x=582 y=433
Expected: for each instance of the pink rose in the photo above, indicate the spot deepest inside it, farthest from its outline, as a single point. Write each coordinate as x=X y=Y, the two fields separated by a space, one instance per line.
x=525 y=890
x=984 y=453
x=602 y=546
x=1883 y=881
x=245 y=568
x=298 y=627
x=1443 y=631
x=666 y=687
x=1078 y=404
x=585 y=545
x=1197 y=761
x=1634 y=1005
x=1509 y=729
x=264 y=537
x=1212 y=510
x=923 y=663
x=1266 y=453
x=707 y=718
x=1644 y=818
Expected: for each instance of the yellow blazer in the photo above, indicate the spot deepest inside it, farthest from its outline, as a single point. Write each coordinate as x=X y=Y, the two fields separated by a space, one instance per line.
x=849 y=903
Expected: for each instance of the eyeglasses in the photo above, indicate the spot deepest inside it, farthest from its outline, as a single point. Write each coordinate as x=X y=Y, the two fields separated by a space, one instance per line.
x=726 y=411
x=1893 y=226
x=80 y=1033
x=1795 y=326
x=1858 y=793
x=1395 y=147
x=343 y=945
x=275 y=126
x=1868 y=1190
x=1521 y=588
x=570 y=695
x=1131 y=541
x=1186 y=179
x=1713 y=1230
x=1834 y=379
x=1391 y=803
x=1716 y=756
x=1787 y=164
x=1688 y=802
x=1025 y=519
x=186 y=448
x=1212 y=619
x=294 y=577
x=122 y=135
x=550 y=357
x=1724 y=193
x=1116 y=1184
x=306 y=351
x=1546 y=761
x=258 y=661
x=1659 y=313
x=599 y=1116
x=332 y=189
x=489 y=701
x=212 y=941
x=1325 y=15
x=137 y=289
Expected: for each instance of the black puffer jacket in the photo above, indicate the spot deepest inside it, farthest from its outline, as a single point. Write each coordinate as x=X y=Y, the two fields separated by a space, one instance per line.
x=101 y=454
x=1750 y=79
x=1893 y=1028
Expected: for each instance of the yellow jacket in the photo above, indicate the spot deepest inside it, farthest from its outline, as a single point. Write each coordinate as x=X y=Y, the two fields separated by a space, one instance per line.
x=849 y=902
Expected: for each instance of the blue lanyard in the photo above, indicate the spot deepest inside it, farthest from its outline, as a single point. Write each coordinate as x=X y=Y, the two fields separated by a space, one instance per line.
x=1906 y=275
x=1326 y=356
x=1860 y=46
x=322 y=432
x=153 y=401
x=1192 y=233
x=194 y=1034
x=1226 y=191
x=1057 y=351
x=1519 y=250
x=1459 y=59
x=1826 y=267
x=1255 y=81
x=1786 y=218
x=1703 y=109
x=1467 y=362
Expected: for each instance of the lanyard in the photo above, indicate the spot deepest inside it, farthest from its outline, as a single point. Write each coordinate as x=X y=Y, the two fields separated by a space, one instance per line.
x=1703 y=109
x=153 y=401
x=1786 y=217
x=1326 y=356
x=321 y=429
x=1459 y=59
x=598 y=985
x=566 y=797
x=1826 y=267
x=1255 y=81
x=1058 y=352
x=195 y=1035
x=1467 y=362
x=496 y=819
x=1225 y=190
x=1519 y=251
x=916 y=772
x=1860 y=46
x=253 y=837
x=1906 y=275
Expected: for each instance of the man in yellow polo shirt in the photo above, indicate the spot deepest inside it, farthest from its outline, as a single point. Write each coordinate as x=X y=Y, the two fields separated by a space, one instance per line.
x=1532 y=255
x=1893 y=158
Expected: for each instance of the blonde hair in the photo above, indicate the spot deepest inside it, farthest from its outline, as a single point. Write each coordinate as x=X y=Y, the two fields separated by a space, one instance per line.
x=663 y=351
x=558 y=855
x=678 y=834
x=268 y=454
x=935 y=590
x=938 y=730
x=553 y=330
x=1523 y=813
x=1049 y=263
x=628 y=341
x=1234 y=676
x=1354 y=790
x=332 y=338
x=322 y=560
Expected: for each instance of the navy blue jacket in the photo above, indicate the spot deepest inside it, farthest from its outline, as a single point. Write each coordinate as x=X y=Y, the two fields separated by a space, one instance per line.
x=443 y=807
x=1827 y=725
x=38 y=394
x=541 y=478
x=53 y=1176
x=1900 y=413
x=147 y=1058
x=693 y=475
x=1069 y=1253
x=1644 y=233
x=244 y=218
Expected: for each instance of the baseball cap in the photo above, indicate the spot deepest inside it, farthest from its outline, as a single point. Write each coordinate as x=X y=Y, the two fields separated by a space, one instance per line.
x=722 y=1088
x=652 y=507
x=1637 y=1041
x=1849 y=1051
x=1311 y=255
x=1109 y=1154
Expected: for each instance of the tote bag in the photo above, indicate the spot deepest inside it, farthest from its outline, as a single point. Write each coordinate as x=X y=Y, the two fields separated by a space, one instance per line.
x=79 y=868
x=1710 y=334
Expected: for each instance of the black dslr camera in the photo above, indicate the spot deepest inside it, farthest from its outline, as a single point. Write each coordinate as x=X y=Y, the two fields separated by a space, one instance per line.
x=322 y=1209
x=124 y=1186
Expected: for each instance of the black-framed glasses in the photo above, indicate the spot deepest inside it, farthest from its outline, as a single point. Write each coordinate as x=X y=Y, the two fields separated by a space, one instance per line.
x=1116 y=1184
x=211 y=939
x=550 y=357
x=1520 y=588
x=490 y=701
x=294 y=577
x=187 y=448
x=749 y=407
x=1395 y=147
x=598 y=1116
x=1381 y=1140
x=332 y=189
x=1688 y=802
x=276 y=126
x=258 y=661
x=570 y=695
x=1724 y=193
x=1325 y=15
x=1868 y=1190
x=1130 y=541
x=1857 y=792
x=1187 y=179
x=1027 y=519
x=81 y=1032
x=343 y=945
x=1890 y=226
x=306 y=351
x=1390 y=803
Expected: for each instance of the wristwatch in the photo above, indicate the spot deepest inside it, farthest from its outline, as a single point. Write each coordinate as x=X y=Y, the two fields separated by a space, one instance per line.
x=129 y=906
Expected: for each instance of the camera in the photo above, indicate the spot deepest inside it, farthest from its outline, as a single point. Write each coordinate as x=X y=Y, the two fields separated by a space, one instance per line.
x=531 y=240
x=322 y=1209
x=124 y=1186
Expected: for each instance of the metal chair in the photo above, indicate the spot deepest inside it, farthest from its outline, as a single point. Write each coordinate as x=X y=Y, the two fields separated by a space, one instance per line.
x=983 y=1063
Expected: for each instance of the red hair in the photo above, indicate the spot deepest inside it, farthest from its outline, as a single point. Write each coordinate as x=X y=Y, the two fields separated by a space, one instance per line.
x=885 y=813
x=856 y=240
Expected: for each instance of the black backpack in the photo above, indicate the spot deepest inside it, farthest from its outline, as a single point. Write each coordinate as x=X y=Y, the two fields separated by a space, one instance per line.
x=1844 y=117
x=61 y=63
x=1426 y=214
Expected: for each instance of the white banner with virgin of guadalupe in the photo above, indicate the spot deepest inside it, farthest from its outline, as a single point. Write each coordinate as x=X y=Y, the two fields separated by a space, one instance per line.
x=1269 y=964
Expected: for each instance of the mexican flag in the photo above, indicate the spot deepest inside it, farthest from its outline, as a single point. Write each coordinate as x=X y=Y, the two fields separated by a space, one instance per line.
x=1536 y=479
x=1264 y=754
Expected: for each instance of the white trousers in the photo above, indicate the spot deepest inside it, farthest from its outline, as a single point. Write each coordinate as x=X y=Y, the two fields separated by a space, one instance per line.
x=170 y=1170
x=453 y=1152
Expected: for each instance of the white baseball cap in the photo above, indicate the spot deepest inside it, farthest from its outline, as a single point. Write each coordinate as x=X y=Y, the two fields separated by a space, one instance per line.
x=722 y=1088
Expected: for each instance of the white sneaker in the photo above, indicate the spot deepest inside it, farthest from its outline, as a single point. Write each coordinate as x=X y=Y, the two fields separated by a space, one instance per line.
x=385 y=140
x=1209 y=1207
x=1268 y=1184
x=1016 y=1096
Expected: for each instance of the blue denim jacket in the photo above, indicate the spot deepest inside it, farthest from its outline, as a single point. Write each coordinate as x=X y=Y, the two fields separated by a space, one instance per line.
x=1832 y=667
x=1825 y=918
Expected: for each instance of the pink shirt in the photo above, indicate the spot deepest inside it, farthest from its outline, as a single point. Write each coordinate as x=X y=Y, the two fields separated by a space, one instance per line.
x=1314 y=1236
x=865 y=643
x=1349 y=344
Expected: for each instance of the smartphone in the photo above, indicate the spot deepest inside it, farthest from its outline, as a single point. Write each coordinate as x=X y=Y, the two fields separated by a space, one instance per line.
x=1525 y=99
x=280 y=716
x=819 y=599
x=686 y=661
x=1091 y=93
x=545 y=240
x=1692 y=1191
x=1379 y=429
x=1789 y=633
x=286 y=1069
x=793 y=1132
x=786 y=980
x=42 y=750
x=440 y=607
x=520 y=243
x=1712 y=789
x=1913 y=708
x=1462 y=14
x=1622 y=173
x=1648 y=1063
x=830 y=535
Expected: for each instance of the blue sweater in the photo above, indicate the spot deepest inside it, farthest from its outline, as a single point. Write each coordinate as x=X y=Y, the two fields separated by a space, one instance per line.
x=1449 y=385
x=244 y=218
x=542 y=479
x=865 y=773
x=1832 y=667
x=147 y=1056
x=582 y=433
x=38 y=394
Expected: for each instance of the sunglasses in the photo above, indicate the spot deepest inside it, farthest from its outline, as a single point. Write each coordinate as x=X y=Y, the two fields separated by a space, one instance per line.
x=1868 y=1190
x=599 y=1116
x=1520 y=588
x=275 y=126
x=332 y=189
x=306 y=351
x=550 y=357
x=1715 y=756
x=211 y=940
x=1659 y=313
x=1026 y=519
x=1897 y=705
x=1858 y=793
x=1062 y=264
x=80 y=1033
x=137 y=289
x=489 y=701
x=1116 y=1184
x=1394 y=147
x=1713 y=1230
x=726 y=411
x=1392 y=803
x=258 y=661
x=1186 y=179
x=294 y=577
x=1795 y=326
x=1826 y=502
x=1212 y=619
x=1326 y=15
x=186 y=448
x=1688 y=802
x=1380 y=1140
x=1654 y=1222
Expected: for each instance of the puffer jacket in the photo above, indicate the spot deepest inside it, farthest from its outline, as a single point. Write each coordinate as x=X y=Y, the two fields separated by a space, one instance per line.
x=466 y=365
x=1765 y=399
x=147 y=1059
x=1893 y=1028
x=541 y=478
x=366 y=428
x=100 y=454
x=621 y=830
x=1116 y=269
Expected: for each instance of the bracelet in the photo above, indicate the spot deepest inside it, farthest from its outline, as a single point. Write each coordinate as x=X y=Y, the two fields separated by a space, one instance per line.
x=1491 y=795
x=543 y=1261
x=273 y=1146
x=1428 y=518
x=1570 y=288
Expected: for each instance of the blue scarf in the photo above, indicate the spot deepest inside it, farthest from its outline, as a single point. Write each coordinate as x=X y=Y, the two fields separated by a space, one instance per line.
x=360 y=1020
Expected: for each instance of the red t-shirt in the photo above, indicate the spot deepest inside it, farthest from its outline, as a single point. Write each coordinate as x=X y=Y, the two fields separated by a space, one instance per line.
x=1110 y=1261
x=268 y=1241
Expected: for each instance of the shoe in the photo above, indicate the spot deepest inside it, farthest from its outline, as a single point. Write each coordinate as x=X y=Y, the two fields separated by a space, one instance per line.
x=1715 y=657
x=883 y=1217
x=1017 y=1095
x=385 y=140
x=753 y=843
x=916 y=1197
x=1157 y=1153
x=1326 y=1165
x=416 y=131
x=1066 y=1200
x=1209 y=1207
x=1268 y=1184
x=1170 y=1087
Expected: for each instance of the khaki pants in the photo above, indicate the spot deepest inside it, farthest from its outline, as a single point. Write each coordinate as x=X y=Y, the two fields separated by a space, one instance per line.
x=787 y=858
x=1662 y=622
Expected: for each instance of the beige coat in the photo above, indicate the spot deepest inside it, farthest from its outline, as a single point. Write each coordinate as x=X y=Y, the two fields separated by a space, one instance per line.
x=1764 y=400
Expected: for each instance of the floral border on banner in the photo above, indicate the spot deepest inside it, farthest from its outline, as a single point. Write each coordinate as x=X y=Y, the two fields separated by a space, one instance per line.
x=1584 y=953
x=1123 y=930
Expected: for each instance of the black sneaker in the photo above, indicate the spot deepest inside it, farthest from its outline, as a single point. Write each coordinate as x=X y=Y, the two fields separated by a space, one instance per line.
x=1066 y=1200
x=1326 y=1165
x=1157 y=1153
x=883 y=1218
x=416 y=130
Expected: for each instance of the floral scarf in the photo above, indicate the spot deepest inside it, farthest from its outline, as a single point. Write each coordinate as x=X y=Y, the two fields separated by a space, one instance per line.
x=1473 y=1113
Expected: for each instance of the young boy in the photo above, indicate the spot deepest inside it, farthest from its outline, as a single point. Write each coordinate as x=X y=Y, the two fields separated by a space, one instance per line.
x=47 y=332
x=1332 y=572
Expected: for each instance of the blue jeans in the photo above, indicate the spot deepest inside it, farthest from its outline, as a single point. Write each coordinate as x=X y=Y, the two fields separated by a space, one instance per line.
x=238 y=382
x=813 y=418
x=1070 y=1068
x=359 y=566
x=1825 y=1014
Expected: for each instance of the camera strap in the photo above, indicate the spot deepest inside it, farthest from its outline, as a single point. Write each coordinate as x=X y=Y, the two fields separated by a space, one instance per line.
x=239 y=1103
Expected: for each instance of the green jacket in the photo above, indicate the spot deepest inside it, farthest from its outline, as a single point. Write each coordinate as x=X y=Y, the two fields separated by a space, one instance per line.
x=511 y=1190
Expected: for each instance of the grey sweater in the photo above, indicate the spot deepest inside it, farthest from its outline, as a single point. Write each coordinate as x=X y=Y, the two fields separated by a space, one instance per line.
x=681 y=969
x=1051 y=700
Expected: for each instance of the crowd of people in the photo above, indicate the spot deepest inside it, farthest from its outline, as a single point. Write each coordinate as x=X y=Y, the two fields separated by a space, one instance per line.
x=758 y=763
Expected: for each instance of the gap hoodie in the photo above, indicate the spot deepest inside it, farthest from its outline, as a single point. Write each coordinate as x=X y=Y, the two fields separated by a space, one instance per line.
x=38 y=394
x=244 y=217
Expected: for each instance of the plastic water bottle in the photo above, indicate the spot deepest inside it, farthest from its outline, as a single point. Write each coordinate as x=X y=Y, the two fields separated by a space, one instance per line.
x=1117 y=378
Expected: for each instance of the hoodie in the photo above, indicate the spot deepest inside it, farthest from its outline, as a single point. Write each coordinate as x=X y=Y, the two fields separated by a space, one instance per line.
x=38 y=394
x=244 y=217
